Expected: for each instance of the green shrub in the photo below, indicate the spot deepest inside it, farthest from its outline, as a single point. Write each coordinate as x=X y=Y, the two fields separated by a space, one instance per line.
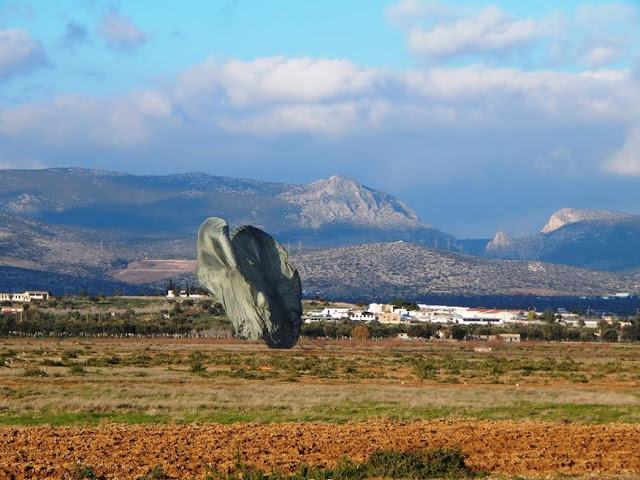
x=449 y=380
x=35 y=372
x=47 y=362
x=425 y=370
x=103 y=361
x=437 y=463
x=578 y=378
x=77 y=369
x=79 y=472
x=495 y=365
x=197 y=367
x=156 y=473
x=69 y=354
x=441 y=462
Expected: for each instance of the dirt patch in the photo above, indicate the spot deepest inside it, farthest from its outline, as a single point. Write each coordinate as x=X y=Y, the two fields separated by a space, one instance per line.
x=145 y=271
x=120 y=451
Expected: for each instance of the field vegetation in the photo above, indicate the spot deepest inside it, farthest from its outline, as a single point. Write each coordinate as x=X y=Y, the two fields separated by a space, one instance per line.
x=348 y=401
x=117 y=316
x=86 y=382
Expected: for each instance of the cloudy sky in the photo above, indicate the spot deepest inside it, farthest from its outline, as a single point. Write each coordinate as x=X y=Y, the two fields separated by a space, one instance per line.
x=479 y=115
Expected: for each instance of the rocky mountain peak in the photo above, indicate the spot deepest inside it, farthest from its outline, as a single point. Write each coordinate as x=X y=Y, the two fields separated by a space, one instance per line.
x=573 y=215
x=500 y=241
x=338 y=180
x=339 y=187
x=342 y=199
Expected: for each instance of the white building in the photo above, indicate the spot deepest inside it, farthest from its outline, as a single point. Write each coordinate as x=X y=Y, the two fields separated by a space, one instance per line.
x=360 y=316
x=333 y=314
x=336 y=313
x=27 y=296
x=380 y=308
x=582 y=322
x=181 y=294
x=434 y=314
x=486 y=316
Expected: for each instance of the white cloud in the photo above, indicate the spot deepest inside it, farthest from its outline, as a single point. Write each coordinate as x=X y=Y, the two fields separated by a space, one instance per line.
x=82 y=120
x=626 y=161
x=334 y=119
x=18 y=52
x=602 y=54
x=120 y=32
x=276 y=79
x=603 y=33
x=306 y=117
x=591 y=35
x=493 y=29
x=154 y=104
x=268 y=94
x=275 y=97
x=499 y=94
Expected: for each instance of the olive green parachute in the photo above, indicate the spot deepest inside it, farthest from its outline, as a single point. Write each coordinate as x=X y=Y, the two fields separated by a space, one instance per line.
x=250 y=274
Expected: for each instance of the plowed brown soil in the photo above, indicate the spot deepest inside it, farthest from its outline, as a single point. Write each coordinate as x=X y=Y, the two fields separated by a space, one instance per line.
x=121 y=451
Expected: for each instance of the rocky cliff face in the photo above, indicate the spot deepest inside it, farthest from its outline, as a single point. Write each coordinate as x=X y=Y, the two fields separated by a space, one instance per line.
x=500 y=244
x=177 y=204
x=596 y=239
x=342 y=199
x=91 y=222
x=566 y=216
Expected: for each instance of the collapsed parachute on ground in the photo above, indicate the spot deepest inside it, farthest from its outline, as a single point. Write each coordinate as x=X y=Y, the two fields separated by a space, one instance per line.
x=250 y=274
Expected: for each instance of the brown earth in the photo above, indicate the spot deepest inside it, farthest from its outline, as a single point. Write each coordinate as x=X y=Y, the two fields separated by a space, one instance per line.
x=502 y=448
x=145 y=271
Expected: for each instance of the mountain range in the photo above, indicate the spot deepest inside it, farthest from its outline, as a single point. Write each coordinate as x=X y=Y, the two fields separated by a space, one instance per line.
x=400 y=269
x=90 y=225
x=337 y=210
x=594 y=239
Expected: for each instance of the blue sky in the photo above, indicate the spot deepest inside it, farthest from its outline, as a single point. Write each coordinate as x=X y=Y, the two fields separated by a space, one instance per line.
x=481 y=116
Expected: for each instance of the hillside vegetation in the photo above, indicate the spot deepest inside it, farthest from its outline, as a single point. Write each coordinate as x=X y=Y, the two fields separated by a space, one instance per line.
x=402 y=269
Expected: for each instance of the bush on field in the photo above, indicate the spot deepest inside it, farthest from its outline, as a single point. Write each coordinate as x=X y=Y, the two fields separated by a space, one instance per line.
x=437 y=463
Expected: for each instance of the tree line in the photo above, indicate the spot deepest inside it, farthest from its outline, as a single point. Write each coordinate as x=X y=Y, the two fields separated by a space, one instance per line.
x=550 y=332
x=189 y=318
x=179 y=321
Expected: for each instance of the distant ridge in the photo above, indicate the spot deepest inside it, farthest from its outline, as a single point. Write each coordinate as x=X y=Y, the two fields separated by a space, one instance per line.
x=342 y=199
x=93 y=223
x=385 y=270
x=334 y=211
x=500 y=243
x=17 y=280
x=566 y=216
x=596 y=239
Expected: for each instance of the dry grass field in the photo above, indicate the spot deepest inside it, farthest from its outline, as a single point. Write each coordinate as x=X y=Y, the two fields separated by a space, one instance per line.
x=194 y=405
